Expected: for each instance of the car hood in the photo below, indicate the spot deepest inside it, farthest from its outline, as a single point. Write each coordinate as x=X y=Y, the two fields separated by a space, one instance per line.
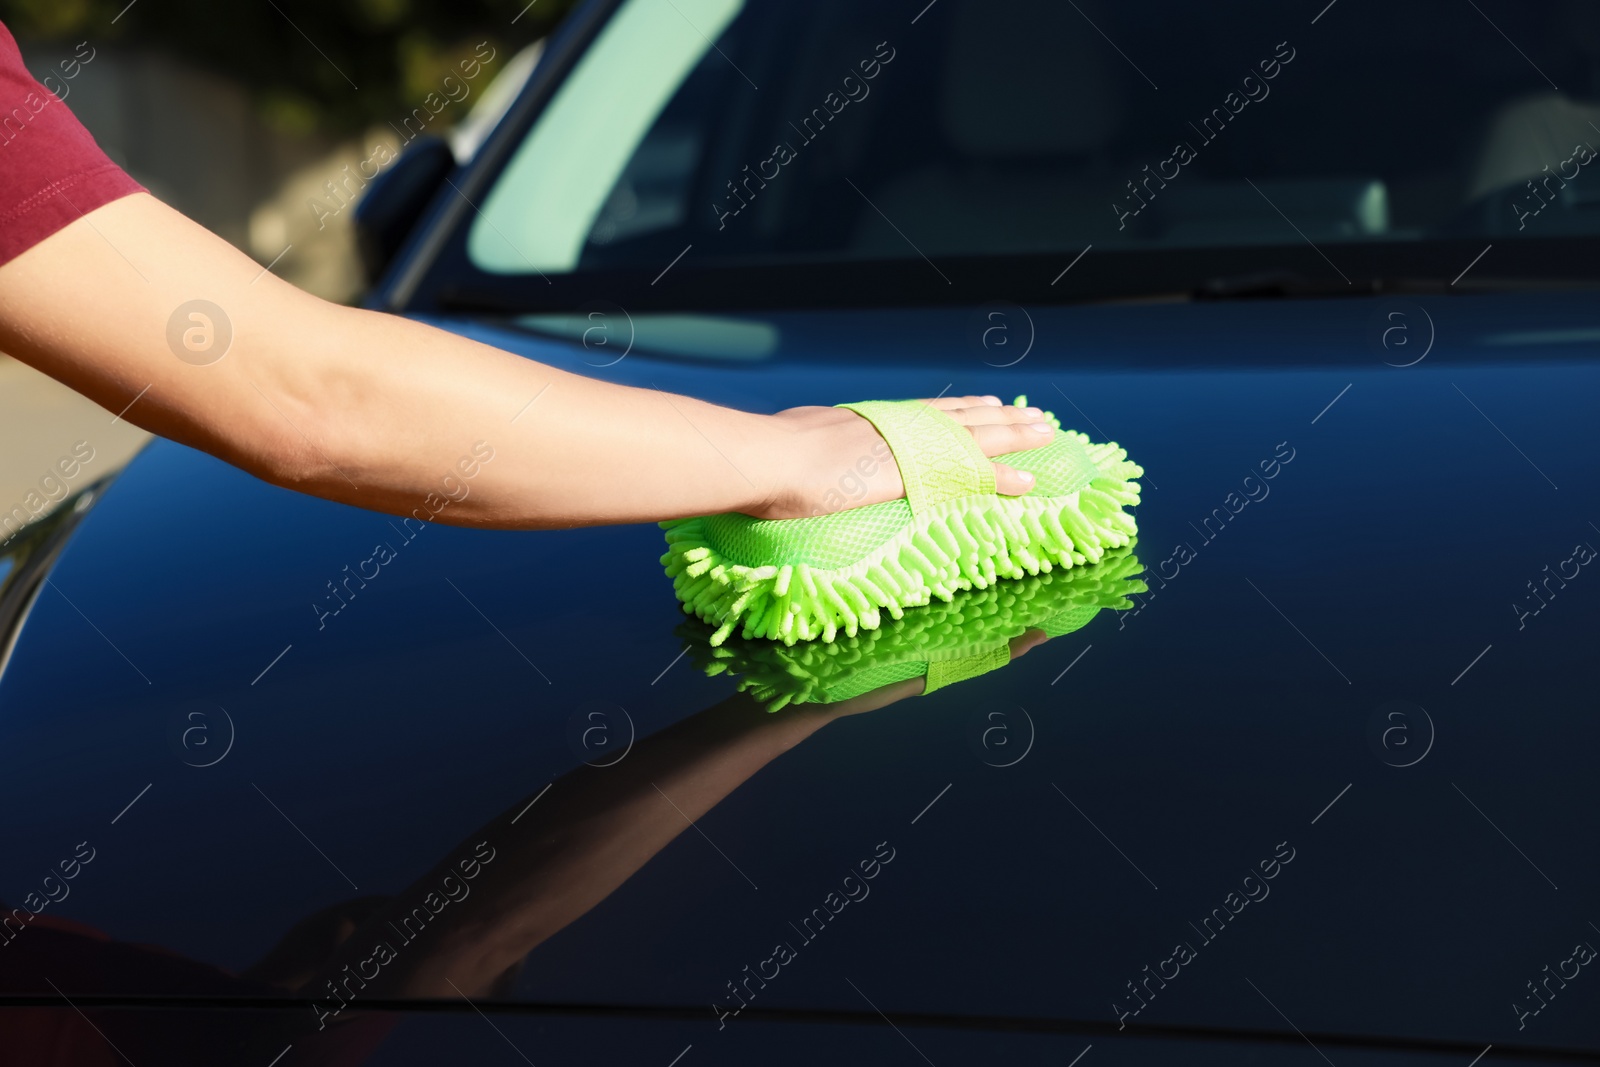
x=1330 y=768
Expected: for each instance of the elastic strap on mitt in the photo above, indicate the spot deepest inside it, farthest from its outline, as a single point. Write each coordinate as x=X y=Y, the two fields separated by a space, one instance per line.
x=950 y=671
x=938 y=458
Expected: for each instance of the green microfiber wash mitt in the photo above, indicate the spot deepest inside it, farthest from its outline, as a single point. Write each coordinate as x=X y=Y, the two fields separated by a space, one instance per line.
x=945 y=643
x=800 y=579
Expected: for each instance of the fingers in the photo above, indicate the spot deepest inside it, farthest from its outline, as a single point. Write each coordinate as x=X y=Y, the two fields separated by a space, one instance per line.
x=985 y=411
x=998 y=439
x=998 y=429
x=951 y=403
x=995 y=416
x=1028 y=639
x=1008 y=481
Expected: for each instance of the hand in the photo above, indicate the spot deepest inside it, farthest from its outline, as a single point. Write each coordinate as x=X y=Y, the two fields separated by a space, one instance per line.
x=838 y=461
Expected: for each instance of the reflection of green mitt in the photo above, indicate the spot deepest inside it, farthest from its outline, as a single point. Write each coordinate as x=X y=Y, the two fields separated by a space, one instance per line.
x=948 y=643
x=798 y=579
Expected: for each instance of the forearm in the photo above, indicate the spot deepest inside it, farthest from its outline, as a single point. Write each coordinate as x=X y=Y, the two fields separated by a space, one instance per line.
x=565 y=449
x=361 y=407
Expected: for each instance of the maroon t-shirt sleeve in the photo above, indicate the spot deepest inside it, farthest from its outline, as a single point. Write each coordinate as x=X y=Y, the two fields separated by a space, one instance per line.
x=51 y=171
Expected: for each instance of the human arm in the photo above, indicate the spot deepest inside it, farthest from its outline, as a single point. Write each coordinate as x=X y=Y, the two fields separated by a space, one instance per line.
x=377 y=410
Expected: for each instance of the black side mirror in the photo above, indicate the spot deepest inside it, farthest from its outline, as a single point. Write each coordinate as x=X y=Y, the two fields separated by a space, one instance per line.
x=395 y=200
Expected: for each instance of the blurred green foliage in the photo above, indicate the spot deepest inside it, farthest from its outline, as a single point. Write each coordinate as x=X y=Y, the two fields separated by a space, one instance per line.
x=325 y=66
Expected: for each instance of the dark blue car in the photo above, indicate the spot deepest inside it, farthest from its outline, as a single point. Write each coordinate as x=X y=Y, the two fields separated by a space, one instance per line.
x=1311 y=782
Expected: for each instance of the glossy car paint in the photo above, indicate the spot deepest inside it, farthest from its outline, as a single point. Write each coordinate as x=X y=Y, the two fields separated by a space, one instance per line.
x=1238 y=714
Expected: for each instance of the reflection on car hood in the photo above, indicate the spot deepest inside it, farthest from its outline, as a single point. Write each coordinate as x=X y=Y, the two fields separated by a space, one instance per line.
x=1329 y=767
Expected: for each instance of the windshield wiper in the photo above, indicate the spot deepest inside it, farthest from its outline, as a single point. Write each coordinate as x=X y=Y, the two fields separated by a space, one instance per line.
x=1287 y=284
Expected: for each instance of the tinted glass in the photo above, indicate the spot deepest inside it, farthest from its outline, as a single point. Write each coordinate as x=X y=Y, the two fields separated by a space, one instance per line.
x=765 y=132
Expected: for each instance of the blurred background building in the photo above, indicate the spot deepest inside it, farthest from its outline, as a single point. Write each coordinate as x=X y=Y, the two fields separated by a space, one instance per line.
x=239 y=115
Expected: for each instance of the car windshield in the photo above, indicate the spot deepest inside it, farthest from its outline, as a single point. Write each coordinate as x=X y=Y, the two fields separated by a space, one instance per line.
x=751 y=134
